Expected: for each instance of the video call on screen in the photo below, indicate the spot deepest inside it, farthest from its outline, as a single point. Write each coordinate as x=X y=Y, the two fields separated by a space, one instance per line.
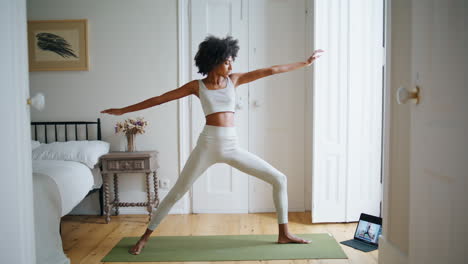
x=368 y=231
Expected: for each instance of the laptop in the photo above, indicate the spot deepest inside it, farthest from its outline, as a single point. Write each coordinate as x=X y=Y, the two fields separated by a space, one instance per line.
x=366 y=237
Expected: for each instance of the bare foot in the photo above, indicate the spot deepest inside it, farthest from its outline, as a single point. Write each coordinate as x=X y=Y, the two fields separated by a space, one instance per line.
x=136 y=249
x=290 y=238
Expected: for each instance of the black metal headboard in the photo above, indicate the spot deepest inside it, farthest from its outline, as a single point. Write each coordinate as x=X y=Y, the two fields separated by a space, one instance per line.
x=77 y=125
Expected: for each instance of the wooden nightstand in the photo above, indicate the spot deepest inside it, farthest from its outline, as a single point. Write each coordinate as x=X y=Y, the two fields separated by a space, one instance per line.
x=129 y=162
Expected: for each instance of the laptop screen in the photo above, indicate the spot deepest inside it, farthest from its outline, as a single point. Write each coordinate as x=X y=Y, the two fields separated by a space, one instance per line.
x=369 y=228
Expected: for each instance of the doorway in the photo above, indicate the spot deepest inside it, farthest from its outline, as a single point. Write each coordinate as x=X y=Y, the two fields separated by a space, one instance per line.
x=281 y=133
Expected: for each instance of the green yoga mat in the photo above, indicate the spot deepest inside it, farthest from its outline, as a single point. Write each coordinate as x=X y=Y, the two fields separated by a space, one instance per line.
x=226 y=248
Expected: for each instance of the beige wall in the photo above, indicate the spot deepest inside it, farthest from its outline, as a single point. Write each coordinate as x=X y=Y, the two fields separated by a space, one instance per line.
x=133 y=56
x=398 y=180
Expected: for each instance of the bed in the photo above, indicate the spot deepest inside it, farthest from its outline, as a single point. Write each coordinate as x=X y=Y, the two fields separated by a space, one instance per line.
x=65 y=163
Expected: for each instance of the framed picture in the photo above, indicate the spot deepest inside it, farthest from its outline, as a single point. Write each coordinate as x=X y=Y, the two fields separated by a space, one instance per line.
x=58 y=45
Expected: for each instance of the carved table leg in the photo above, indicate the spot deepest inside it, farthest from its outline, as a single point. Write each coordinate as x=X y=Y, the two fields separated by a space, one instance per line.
x=106 y=197
x=116 y=194
x=148 y=193
x=156 y=187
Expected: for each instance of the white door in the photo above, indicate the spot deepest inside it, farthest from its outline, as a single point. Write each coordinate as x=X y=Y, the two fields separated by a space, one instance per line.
x=277 y=103
x=347 y=115
x=270 y=112
x=439 y=145
x=222 y=188
x=18 y=244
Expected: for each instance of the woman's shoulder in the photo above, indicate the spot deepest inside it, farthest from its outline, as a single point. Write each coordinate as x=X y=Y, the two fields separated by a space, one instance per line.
x=190 y=87
x=195 y=86
x=194 y=83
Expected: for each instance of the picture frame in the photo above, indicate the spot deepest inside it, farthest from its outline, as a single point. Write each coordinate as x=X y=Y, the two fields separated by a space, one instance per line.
x=58 y=45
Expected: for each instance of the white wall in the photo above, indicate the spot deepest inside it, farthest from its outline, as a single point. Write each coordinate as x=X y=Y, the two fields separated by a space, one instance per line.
x=133 y=56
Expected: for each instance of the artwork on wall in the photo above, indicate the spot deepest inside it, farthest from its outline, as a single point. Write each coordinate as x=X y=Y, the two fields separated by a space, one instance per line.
x=58 y=45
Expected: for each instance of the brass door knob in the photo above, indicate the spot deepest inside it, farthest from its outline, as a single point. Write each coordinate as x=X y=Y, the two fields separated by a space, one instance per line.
x=403 y=95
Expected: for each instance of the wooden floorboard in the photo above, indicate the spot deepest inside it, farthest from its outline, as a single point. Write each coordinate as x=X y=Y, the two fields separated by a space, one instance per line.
x=87 y=239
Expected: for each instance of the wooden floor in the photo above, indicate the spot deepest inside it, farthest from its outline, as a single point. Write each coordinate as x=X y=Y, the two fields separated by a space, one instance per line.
x=87 y=239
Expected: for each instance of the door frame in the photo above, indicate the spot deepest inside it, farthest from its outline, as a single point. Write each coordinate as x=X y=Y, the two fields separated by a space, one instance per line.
x=388 y=252
x=309 y=106
x=184 y=104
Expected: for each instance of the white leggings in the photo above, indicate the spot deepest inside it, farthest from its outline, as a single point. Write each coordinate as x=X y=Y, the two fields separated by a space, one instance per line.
x=220 y=145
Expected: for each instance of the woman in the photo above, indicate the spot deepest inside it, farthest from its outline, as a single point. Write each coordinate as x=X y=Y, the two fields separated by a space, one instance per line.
x=218 y=142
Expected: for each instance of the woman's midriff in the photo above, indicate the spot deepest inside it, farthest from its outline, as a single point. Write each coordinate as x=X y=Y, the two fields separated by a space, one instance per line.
x=224 y=119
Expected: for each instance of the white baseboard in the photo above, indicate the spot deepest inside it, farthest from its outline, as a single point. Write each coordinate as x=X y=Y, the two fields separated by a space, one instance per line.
x=302 y=209
x=273 y=210
x=142 y=210
x=389 y=254
x=220 y=212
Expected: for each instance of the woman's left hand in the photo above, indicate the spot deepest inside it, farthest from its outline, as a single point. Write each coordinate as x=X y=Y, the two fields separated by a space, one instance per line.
x=315 y=55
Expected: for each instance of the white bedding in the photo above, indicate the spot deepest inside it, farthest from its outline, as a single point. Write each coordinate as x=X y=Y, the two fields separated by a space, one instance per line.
x=74 y=180
x=97 y=178
x=58 y=187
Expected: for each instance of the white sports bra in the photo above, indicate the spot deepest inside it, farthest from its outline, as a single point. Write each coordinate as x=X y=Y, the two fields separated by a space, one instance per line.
x=219 y=100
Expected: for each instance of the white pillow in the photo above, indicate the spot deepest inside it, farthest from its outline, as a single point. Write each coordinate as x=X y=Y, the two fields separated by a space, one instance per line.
x=35 y=144
x=86 y=152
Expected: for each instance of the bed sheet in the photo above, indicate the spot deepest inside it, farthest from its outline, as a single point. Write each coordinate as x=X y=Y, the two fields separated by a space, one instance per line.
x=97 y=178
x=58 y=187
x=73 y=179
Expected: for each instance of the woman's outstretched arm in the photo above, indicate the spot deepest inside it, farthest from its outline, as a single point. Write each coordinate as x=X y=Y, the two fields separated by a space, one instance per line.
x=185 y=90
x=242 y=78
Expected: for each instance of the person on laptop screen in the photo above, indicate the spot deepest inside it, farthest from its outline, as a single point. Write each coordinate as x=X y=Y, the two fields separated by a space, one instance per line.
x=368 y=231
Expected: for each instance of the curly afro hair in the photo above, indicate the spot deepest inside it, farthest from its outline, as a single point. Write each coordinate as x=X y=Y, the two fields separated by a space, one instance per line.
x=213 y=51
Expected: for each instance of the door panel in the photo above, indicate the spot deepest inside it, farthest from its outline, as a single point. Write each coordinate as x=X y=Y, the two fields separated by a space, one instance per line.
x=273 y=127
x=347 y=110
x=277 y=103
x=221 y=189
x=364 y=156
x=439 y=146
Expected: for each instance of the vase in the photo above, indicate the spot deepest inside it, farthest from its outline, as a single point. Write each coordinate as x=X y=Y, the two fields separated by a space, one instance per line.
x=130 y=142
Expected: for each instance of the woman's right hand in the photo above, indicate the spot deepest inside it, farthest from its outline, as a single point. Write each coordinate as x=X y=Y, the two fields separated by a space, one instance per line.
x=314 y=56
x=113 y=111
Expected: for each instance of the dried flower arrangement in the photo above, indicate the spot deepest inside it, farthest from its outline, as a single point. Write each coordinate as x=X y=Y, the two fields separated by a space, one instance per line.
x=130 y=127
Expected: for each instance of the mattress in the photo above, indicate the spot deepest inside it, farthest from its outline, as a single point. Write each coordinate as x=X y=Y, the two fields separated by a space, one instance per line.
x=73 y=180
